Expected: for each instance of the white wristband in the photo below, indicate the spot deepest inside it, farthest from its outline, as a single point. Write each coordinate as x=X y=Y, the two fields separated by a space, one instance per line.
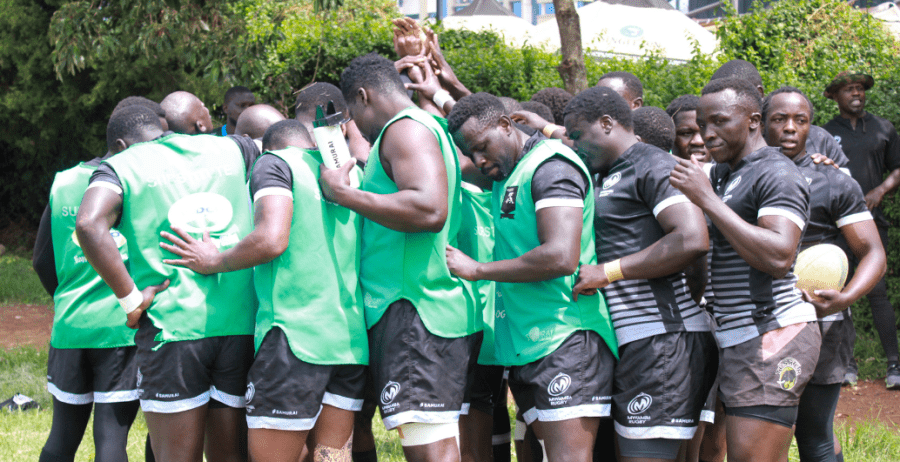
x=441 y=98
x=131 y=301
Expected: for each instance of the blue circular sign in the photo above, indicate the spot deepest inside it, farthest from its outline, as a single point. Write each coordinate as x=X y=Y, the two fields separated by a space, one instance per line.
x=631 y=31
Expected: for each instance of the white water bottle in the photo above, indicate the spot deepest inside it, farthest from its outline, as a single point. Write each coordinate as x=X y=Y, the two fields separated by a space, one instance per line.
x=330 y=139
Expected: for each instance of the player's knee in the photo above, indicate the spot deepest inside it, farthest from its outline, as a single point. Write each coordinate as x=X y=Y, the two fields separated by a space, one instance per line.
x=420 y=434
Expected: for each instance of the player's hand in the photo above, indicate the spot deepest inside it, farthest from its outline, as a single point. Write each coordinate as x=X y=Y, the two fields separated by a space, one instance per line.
x=529 y=119
x=149 y=294
x=827 y=301
x=874 y=198
x=429 y=84
x=461 y=265
x=198 y=256
x=442 y=68
x=819 y=158
x=409 y=39
x=334 y=181
x=689 y=178
x=590 y=278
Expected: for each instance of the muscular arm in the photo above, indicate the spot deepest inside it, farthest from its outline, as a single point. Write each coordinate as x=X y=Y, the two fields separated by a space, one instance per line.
x=559 y=234
x=769 y=246
x=268 y=240
x=686 y=240
x=865 y=243
x=889 y=185
x=100 y=209
x=417 y=168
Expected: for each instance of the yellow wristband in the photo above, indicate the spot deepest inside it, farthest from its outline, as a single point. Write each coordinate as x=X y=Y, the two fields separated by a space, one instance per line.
x=549 y=129
x=613 y=270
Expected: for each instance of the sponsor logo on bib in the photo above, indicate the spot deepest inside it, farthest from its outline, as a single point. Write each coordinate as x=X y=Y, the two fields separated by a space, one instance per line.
x=639 y=404
x=509 y=202
x=559 y=384
x=199 y=212
x=788 y=371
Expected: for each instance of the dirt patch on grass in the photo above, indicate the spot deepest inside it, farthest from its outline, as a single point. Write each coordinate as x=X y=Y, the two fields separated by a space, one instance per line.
x=25 y=325
x=869 y=401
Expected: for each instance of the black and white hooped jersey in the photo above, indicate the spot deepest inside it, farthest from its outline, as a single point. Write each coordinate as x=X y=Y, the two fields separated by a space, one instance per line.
x=835 y=201
x=634 y=192
x=749 y=302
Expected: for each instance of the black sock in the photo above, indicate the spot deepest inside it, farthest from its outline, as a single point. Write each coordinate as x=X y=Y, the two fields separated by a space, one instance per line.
x=148 y=451
x=839 y=457
x=50 y=457
x=365 y=456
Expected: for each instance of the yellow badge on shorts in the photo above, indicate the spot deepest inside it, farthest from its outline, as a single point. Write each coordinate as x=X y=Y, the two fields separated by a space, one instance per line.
x=788 y=371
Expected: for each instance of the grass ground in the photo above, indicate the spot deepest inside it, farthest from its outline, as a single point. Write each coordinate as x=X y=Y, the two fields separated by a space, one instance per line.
x=23 y=370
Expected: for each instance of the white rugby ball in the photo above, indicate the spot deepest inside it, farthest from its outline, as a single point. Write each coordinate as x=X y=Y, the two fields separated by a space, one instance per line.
x=822 y=266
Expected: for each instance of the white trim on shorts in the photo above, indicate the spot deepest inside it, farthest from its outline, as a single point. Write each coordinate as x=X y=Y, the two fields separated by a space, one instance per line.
x=708 y=416
x=171 y=407
x=277 y=423
x=429 y=417
x=227 y=399
x=70 y=398
x=342 y=402
x=656 y=432
x=120 y=396
x=566 y=413
x=464 y=409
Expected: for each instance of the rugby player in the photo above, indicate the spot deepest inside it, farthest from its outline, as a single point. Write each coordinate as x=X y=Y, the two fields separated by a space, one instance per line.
x=647 y=234
x=758 y=202
x=236 y=100
x=256 y=119
x=654 y=127
x=560 y=351
x=626 y=84
x=410 y=203
x=837 y=207
x=195 y=345
x=185 y=113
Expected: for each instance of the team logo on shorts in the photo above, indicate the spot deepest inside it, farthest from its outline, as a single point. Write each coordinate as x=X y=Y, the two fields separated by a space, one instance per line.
x=559 y=384
x=140 y=378
x=390 y=392
x=201 y=211
x=639 y=404
x=251 y=390
x=509 y=202
x=788 y=371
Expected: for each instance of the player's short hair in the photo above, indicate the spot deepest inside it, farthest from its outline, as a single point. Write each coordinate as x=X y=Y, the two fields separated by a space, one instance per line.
x=596 y=102
x=141 y=101
x=740 y=69
x=510 y=104
x=484 y=107
x=785 y=89
x=748 y=94
x=282 y=134
x=554 y=98
x=654 y=126
x=371 y=71
x=631 y=81
x=128 y=123
x=232 y=92
x=684 y=103
x=319 y=94
x=540 y=109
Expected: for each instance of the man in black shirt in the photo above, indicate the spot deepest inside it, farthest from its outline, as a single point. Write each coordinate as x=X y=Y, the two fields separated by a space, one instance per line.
x=873 y=147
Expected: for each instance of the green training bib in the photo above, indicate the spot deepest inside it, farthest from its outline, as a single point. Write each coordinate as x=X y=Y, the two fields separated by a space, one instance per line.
x=196 y=183
x=534 y=318
x=311 y=291
x=413 y=266
x=86 y=313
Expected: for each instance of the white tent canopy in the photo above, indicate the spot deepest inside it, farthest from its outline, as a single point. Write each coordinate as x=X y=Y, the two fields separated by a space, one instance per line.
x=514 y=30
x=620 y=30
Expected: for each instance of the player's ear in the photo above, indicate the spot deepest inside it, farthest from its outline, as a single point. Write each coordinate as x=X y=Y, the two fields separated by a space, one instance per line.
x=755 y=120
x=606 y=123
x=363 y=96
x=119 y=145
x=637 y=103
x=505 y=124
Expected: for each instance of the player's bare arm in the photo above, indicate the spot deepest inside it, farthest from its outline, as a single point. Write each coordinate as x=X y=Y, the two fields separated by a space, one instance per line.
x=417 y=168
x=99 y=211
x=269 y=239
x=863 y=239
x=686 y=241
x=769 y=247
x=559 y=232
x=889 y=185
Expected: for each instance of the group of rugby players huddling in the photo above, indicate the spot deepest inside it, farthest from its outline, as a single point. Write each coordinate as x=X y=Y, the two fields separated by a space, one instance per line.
x=604 y=260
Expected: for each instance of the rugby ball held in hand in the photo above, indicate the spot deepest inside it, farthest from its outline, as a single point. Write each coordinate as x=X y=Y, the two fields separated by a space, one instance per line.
x=822 y=266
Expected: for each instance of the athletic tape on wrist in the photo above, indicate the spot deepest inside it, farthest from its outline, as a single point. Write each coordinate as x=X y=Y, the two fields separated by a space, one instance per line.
x=441 y=98
x=419 y=434
x=130 y=302
x=549 y=129
x=613 y=270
